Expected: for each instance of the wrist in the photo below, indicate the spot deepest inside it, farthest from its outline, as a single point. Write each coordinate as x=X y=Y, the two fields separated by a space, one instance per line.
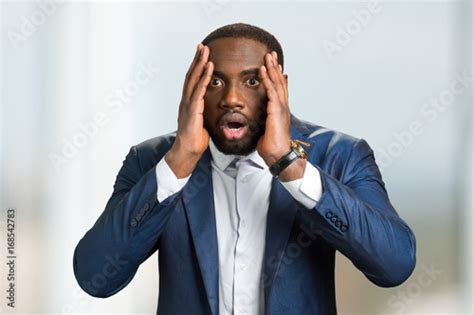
x=276 y=155
x=181 y=162
x=291 y=161
x=294 y=171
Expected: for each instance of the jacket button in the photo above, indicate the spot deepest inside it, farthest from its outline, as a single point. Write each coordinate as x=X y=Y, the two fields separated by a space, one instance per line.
x=344 y=228
x=334 y=218
x=146 y=206
x=133 y=223
x=329 y=214
x=338 y=223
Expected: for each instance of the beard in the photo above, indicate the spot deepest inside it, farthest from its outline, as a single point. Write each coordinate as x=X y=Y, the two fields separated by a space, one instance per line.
x=242 y=146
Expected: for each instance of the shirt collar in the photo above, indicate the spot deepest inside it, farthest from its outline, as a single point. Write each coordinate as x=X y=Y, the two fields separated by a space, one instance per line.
x=223 y=160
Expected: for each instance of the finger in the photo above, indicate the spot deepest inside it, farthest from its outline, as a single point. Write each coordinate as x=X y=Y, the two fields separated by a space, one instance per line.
x=201 y=87
x=197 y=72
x=283 y=79
x=280 y=75
x=273 y=72
x=187 y=90
x=184 y=97
x=193 y=63
x=272 y=69
x=275 y=55
x=279 y=68
x=268 y=84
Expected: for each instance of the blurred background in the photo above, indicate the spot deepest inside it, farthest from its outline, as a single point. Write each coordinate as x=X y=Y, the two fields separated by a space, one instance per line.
x=84 y=81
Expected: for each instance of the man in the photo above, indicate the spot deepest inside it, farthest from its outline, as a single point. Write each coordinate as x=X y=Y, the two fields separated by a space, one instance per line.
x=245 y=203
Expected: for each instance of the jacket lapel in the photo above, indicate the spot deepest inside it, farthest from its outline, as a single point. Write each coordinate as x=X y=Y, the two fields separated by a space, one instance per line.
x=281 y=214
x=198 y=198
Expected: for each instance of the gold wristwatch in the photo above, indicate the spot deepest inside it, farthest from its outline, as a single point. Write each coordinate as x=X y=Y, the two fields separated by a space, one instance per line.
x=296 y=152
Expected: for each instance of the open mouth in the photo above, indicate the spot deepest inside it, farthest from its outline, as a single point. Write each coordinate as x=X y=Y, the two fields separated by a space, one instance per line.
x=234 y=126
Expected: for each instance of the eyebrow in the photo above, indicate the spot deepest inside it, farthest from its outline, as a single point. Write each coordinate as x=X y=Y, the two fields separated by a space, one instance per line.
x=242 y=73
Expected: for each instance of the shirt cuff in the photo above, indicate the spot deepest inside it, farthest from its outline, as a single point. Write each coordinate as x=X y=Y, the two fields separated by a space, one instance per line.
x=166 y=180
x=308 y=189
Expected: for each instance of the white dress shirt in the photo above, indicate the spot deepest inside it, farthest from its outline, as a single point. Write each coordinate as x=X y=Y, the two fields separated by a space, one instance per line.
x=241 y=187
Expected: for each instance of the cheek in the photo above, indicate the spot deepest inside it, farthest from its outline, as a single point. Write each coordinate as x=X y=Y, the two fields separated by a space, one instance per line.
x=211 y=96
x=262 y=93
x=208 y=104
x=259 y=98
x=210 y=112
x=256 y=95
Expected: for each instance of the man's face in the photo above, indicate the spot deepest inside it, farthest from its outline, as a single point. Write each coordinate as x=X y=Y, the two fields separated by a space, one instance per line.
x=235 y=100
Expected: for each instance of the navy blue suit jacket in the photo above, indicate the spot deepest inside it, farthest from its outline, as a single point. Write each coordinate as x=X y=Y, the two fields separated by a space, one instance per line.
x=354 y=216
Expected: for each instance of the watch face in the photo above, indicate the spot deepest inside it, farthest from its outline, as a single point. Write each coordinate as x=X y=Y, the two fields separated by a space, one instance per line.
x=299 y=149
x=303 y=154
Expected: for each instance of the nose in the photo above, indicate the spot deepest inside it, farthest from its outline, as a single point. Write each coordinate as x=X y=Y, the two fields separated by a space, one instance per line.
x=231 y=98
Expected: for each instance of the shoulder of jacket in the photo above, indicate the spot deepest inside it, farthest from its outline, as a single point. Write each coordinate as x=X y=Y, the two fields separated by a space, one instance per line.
x=318 y=135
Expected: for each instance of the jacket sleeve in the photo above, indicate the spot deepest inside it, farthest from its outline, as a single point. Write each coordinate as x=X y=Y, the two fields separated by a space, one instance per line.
x=358 y=219
x=126 y=233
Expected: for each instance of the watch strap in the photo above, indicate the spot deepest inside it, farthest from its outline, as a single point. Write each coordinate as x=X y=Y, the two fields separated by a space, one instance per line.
x=284 y=162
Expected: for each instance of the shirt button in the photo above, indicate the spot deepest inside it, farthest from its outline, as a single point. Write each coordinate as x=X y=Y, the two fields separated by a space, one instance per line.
x=243 y=267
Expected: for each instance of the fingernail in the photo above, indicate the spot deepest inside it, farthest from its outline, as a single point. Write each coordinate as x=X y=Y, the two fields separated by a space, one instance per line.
x=281 y=69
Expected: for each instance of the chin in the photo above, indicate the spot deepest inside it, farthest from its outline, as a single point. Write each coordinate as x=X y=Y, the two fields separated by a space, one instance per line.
x=242 y=146
x=239 y=147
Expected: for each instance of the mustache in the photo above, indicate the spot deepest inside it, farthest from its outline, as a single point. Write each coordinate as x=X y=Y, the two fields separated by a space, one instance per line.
x=235 y=117
x=239 y=117
x=255 y=126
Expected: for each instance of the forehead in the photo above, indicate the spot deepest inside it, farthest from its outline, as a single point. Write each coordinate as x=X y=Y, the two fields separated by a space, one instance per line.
x=236 y=54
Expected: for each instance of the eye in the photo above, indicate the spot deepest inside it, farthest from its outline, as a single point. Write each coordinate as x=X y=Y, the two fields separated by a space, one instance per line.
x=215 y=82
x=252 y=82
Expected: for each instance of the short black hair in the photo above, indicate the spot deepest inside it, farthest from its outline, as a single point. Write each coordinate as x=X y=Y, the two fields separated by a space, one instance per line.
x=243 y=30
